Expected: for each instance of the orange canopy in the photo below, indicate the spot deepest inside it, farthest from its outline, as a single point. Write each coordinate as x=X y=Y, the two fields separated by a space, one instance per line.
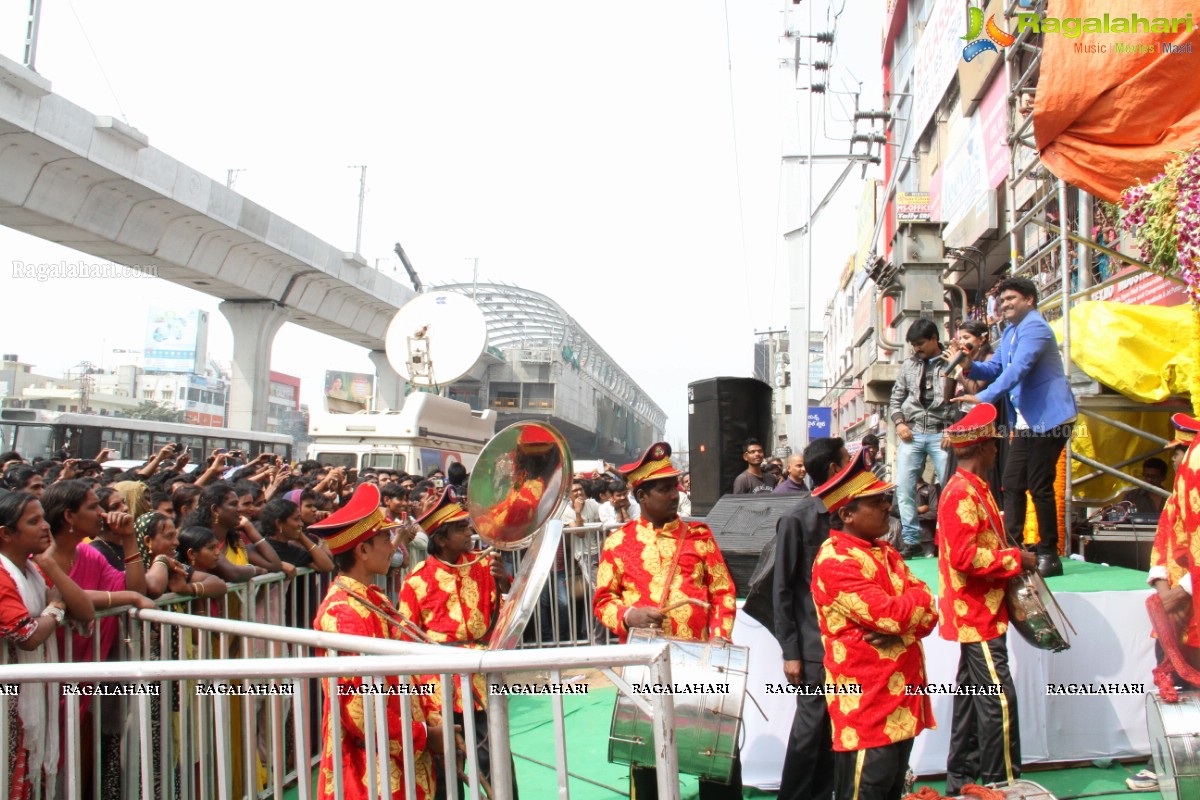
x=1106 y=120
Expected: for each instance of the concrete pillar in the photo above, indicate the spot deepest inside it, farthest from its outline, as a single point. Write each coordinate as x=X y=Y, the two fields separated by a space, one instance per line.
x=254 y=324
x=389 y=385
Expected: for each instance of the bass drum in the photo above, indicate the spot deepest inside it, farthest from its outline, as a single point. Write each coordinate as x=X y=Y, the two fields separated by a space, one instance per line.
x=1174 y=730
x=707 y=726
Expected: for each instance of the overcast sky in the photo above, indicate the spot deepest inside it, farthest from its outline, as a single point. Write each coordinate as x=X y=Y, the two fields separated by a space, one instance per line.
x=581 y=150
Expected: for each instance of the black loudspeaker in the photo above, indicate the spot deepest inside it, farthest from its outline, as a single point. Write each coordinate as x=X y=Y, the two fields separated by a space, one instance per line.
x=722 y=414
x=743 y=526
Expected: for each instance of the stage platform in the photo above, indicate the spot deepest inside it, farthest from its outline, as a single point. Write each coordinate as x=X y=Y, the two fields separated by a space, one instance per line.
x=588 y=719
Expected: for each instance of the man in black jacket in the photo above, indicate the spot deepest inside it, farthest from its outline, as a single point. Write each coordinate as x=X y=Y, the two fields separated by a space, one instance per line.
x=799 y=534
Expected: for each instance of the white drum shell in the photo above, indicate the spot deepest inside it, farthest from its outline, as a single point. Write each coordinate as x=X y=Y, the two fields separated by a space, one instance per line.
x=1174 y=730
x=707 y=726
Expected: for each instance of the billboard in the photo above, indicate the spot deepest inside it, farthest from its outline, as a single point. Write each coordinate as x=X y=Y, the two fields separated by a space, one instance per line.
x=968 y=200
x=176 y=340
x=343 y=389
x=912 y=207
x=284 y=390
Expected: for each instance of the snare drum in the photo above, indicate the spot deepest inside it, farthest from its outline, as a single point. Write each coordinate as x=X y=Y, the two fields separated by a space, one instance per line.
x=1174 y=730
x=707 y=725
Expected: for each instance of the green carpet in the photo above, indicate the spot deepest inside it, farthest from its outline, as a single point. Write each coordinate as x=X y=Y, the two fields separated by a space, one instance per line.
x=1095 y=782
x=1078 y=576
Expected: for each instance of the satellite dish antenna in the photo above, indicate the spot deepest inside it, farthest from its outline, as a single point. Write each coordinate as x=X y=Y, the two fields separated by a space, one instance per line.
x=436 y=338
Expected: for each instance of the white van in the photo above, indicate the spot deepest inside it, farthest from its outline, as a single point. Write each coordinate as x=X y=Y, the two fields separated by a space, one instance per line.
x=430 y=431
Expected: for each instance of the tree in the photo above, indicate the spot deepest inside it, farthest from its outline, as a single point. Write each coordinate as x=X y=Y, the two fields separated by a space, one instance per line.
x=155 y=412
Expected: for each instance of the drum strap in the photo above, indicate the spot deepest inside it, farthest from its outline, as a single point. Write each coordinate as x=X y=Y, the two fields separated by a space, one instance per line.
x=671 y=570
x=1175 y=663
x=390 y=616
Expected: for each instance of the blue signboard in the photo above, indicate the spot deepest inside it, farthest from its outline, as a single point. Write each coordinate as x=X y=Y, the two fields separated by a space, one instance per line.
x=820 y=418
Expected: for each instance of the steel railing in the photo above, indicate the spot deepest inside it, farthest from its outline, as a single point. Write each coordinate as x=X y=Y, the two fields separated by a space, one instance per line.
x=178 y=745
x=213 y=744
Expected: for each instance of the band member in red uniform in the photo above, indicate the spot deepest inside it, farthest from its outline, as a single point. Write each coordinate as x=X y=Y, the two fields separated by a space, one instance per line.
x=873 y=614
x=974 y=566
x=453 y=596
x=658 y=571
x=362 y=549
x=518 y=509
x=1175 y=558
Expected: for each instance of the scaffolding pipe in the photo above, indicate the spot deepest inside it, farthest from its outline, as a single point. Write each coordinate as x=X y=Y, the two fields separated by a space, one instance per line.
x=1125 y=426
x=1096 y=465
x=1083 y=201
x=1113 y=253
x=1065 y=256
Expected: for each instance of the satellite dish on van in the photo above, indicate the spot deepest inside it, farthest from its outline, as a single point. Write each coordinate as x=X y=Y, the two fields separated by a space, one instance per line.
x=436 y=338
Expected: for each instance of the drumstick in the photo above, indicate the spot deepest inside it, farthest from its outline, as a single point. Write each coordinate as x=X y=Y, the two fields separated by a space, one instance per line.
x=483 y=781
x=690 y=601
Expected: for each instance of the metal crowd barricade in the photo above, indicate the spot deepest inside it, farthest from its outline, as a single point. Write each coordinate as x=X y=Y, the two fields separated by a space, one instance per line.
x=566 y=602
x=204 y=762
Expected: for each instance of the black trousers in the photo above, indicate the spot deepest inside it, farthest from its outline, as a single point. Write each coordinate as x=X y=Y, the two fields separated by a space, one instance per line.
x=876 y=773
x=483 y=753
x=643 y=784
x=1032 y=464
x=808 y=763
x=985 y=734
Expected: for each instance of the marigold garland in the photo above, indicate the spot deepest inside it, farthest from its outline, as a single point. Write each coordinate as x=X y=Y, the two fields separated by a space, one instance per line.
x=1164 y=217
x=1031 y=535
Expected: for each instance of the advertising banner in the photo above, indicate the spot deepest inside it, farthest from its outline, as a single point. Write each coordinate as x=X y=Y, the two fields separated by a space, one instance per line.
x=820 y=419
x=171 y=339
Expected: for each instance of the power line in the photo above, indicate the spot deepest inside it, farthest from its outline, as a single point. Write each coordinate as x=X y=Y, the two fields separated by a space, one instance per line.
x=99 y=66
x=737 y=166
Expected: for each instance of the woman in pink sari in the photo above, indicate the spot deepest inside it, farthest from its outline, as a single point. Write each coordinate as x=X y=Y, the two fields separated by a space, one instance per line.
x=35 y=595
x=74 y=514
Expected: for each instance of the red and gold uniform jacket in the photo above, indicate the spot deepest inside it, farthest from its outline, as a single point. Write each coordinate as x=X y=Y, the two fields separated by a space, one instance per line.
x=973 y=567
x=451 y=604
x=633 y=567
x=340 y=613
x=516 y=510
x=860 y=588
x=1176 y=552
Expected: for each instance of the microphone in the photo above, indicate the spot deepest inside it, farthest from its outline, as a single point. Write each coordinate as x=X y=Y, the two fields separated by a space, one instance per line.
x=959 y=358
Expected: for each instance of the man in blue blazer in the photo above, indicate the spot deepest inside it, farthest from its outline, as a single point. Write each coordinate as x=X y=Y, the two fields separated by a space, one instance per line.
x=1026 y=378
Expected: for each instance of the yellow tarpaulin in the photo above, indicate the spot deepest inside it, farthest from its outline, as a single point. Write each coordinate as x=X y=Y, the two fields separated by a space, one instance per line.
x=1147 y=353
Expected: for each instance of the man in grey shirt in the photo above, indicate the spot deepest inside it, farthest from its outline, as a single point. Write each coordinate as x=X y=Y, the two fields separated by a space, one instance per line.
x=920 y=410
x=754 y=480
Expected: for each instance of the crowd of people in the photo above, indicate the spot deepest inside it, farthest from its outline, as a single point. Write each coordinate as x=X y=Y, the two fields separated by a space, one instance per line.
x=77 y=538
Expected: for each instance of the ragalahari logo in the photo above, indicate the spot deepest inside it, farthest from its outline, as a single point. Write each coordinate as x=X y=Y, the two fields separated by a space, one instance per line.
x=995 y=35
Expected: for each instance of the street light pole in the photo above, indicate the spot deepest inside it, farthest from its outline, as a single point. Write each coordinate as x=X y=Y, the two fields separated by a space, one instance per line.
x=362 y=199
x=31 y=33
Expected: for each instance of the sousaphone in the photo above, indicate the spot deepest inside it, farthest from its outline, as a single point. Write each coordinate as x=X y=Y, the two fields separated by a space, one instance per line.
x=514 y=498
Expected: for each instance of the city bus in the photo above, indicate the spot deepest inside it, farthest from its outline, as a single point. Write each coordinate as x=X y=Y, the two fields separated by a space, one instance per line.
x=56 y=434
